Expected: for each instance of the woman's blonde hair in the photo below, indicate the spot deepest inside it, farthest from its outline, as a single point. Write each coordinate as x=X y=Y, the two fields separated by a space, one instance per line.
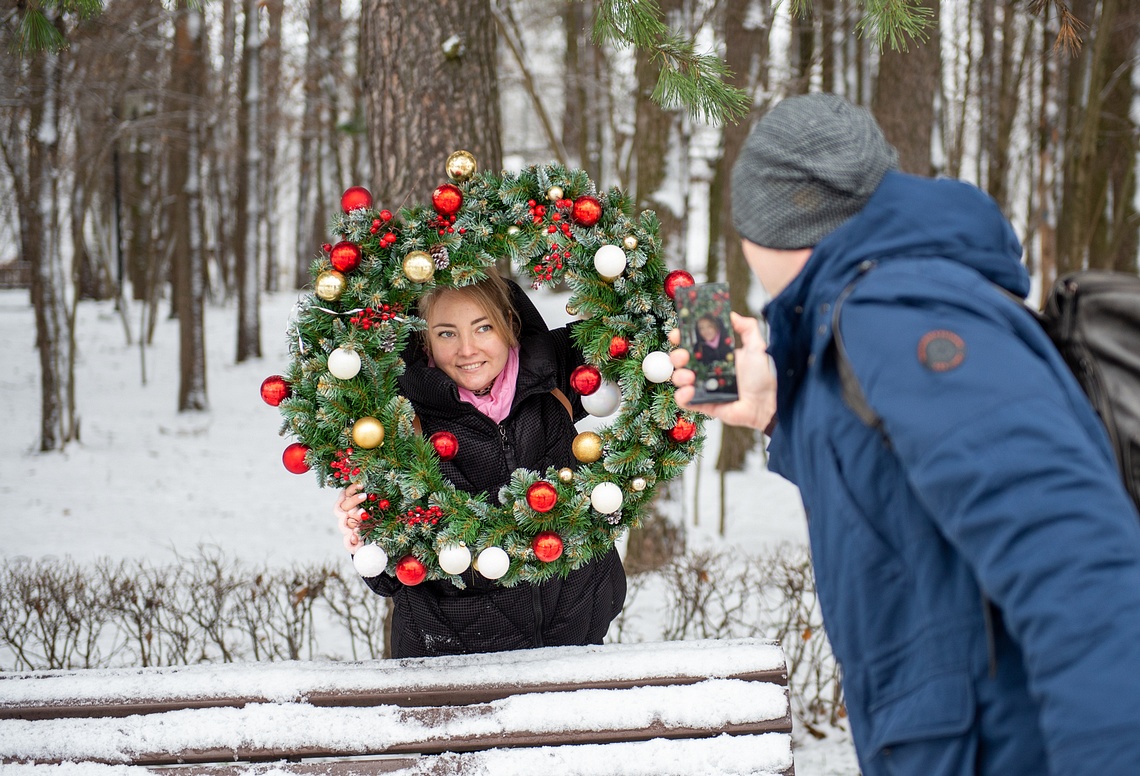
x=493 y=296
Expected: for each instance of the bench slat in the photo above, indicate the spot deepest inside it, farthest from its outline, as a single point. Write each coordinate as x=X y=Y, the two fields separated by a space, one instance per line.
x=270 y=731
x=769 y=754
x=458 y=680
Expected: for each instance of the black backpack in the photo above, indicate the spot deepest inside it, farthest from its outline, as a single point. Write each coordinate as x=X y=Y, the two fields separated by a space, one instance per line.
x=1093 y=317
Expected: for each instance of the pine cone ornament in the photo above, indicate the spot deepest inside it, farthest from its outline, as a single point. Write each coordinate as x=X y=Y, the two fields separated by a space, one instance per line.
x=440 y=256
x=388 y=338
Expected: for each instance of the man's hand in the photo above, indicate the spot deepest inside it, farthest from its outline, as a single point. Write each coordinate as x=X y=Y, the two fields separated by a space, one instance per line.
x=755 y=383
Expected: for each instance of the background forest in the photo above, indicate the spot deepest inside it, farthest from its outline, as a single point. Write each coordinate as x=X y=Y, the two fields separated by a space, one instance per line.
x=193 y=153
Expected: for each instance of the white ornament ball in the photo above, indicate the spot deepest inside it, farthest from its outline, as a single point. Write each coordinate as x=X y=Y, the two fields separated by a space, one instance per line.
x=657 y=367
x=493 y=562
x=603 y=401
x=370 y=560
x=610 y=261
x=344 y=363
x=454 y=558
x=606 y=498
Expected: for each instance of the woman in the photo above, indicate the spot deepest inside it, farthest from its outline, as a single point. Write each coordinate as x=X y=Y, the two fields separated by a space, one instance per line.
x=490 y=372
x=711 y=343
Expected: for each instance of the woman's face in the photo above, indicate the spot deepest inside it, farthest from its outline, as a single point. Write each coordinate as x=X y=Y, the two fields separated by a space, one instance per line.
x=464 y=342
x=707 y=329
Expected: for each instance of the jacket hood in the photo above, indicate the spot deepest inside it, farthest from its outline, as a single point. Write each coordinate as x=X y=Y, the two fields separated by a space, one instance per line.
x=907 y=218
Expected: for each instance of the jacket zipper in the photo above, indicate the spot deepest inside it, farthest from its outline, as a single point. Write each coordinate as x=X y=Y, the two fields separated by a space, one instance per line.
x=508 y=451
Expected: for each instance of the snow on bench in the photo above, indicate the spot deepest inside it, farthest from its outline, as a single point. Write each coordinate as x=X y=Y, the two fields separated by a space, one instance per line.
x=686 y=707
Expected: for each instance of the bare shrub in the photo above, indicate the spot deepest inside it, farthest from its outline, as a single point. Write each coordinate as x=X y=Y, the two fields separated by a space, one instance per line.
x=208 y=607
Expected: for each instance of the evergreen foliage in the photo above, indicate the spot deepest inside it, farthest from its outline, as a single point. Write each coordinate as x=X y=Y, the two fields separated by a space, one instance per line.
x=530 y=216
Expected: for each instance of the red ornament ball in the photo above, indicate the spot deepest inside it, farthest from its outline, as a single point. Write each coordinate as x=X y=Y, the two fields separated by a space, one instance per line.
x=294 y=458
x=683 y=430
x=447 y=199
x=411 y=570
x=445 y=444
x=547 y=546
x=274 y=390
x=355 y=198
x=541 y=496
x=586 y=379
x=587 y=210
x=619 y=347
x=345 y=256
x=678 y=278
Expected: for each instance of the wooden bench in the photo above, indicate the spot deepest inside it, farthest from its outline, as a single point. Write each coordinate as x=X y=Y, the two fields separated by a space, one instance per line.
x=691 y=707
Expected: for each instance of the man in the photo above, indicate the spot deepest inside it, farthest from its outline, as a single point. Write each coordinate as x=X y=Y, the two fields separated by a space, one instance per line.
x=976 y=556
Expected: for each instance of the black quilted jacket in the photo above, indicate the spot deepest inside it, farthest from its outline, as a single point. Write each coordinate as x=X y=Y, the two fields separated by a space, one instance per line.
x=437 y=618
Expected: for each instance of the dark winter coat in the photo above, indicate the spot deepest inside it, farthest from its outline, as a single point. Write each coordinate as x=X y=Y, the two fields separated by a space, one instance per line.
x=996 y=499
x=438 y=618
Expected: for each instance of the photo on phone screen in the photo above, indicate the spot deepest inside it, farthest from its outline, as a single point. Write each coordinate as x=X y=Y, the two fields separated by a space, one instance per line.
x=706 y=332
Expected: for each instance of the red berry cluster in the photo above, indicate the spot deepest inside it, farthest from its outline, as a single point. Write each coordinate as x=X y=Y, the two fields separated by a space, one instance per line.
x=378 y=224
x=443 y=223
x=369 y=317
x=380 y=503
x=421 y=516
x=343 y=466
x=545 y=270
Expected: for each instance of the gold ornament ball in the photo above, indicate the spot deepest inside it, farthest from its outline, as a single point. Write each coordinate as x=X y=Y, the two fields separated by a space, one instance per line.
x=418 y=266
x=587 y=447
x=330 y=285
x=513 y=230
x=571 y=309
x=630 y=243
x=461 y=166
x=554 y=193
x=368 y=433
x=638 y=483
x=566 y=474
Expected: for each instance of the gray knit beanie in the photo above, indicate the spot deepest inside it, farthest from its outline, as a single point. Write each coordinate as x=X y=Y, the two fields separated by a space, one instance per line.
x=809 y=164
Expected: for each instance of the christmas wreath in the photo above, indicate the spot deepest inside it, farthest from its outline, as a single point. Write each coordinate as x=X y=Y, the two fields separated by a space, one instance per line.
x=339 y=396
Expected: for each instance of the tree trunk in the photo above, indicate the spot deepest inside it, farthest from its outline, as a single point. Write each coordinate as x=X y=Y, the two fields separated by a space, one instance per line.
x=271 y=100
x=1115 y=240
x=31 y=92
x=660 y=153
x=187 y=87
x=249 y=196
x=1082 y=198
x=439 y=92
x=311 y=213
x=904 y=96
x=746 y=45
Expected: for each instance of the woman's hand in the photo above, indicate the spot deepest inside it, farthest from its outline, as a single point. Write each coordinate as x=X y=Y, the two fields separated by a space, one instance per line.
x=755 y=383
x=348 y=511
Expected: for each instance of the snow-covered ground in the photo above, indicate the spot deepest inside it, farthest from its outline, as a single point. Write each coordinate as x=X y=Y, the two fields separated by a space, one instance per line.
x=145 y=481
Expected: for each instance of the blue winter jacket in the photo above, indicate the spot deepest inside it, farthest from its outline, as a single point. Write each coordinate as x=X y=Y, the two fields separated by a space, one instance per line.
x=995 y=508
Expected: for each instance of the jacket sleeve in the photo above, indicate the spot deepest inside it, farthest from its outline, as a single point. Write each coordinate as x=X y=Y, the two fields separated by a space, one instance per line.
x=993 y=447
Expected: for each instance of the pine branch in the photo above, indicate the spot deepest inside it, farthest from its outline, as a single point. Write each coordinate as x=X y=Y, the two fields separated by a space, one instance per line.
x=690 y=80
x=893 y=21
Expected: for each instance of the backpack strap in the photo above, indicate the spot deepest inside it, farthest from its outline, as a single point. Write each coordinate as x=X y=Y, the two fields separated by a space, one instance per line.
x=853 y=395
x=555 y=392
x=856 y=400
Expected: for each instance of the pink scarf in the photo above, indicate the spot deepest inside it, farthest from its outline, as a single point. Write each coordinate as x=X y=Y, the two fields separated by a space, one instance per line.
x=497 y=403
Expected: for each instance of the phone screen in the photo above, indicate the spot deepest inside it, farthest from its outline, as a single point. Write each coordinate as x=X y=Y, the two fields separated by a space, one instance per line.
x=706 y=332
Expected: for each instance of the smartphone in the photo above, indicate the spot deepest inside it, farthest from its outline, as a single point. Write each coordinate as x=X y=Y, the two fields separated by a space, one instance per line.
x=706 y=332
